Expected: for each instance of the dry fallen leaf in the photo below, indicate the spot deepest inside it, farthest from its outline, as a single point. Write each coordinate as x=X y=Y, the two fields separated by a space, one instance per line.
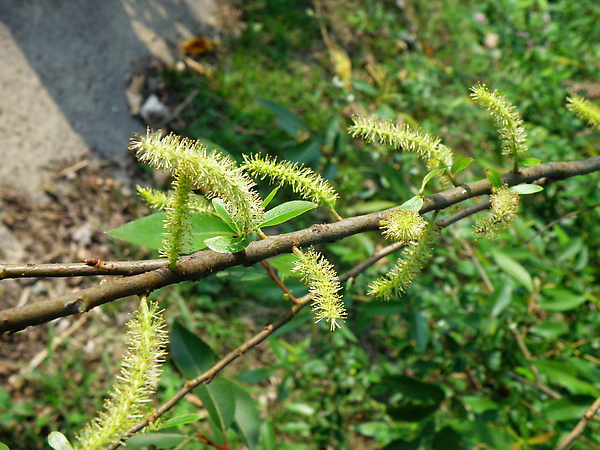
x=199 y=45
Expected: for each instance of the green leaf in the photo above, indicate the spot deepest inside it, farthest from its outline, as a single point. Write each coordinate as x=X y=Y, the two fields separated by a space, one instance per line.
x=419 y=400
x=429 y=176
x=549 y=330
x=414 y=204
x=270 y=197
x=524 y=189
x=462 y=165
x=267 y=436
x=560 y=299
x=414 y=389
x=219 y=401
x=256 y=376
x=148 y=231
x=3 y=446
x=286 y=120
x=300 y=408
x=285 y=263
x=181 y=420
x=286 y=211
x=157 y=440
x=566 y=375
x=567 y=408
x=494 y=178
x=247 y=417
x=515 y=270
x=227 y=244
x=501 y=298
x=205 y=227
x=191 y=355
x=530 y=162
x=478 y=404
x=224 y=215
x=58 y=441
x=420 y=330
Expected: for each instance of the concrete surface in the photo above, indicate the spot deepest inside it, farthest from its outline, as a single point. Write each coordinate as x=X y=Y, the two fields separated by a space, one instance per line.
x=63 y=66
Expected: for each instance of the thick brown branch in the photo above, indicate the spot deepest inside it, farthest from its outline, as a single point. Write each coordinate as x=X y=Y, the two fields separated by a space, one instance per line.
x=205 y=263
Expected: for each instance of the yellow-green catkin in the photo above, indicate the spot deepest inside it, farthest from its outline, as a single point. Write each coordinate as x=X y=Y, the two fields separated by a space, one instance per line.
x=159 y=199
x=323 y=286
x=176 y=224
x=212 y=172
x=585 y=110
x=303 y=181
x=506 y=118
x=504 y=209
x=404 y=137
x=129 y=399
x=407 y=268
x=404 y=225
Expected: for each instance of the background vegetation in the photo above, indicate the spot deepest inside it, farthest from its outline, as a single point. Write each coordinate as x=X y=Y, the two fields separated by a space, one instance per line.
x=496 y=345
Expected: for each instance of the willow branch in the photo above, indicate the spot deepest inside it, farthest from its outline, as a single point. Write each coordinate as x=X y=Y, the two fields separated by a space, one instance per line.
x=89 y=267
x=205 y=263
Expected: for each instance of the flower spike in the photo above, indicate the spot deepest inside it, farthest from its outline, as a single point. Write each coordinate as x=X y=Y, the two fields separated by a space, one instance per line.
x=506 y=118
x=504 y=209
x=304 y=181
x=404 y=225
x=140 y=371
x=323 y=285
x=212 y=172
x=585 y=110
x=405 y=137
x=407 y=268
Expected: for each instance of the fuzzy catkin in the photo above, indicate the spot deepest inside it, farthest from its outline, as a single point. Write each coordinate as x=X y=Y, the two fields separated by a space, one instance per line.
x=407 y=268
x=129 y=399
x=323 y=286
x=404 y=137
x=303 y=181
x=217 y=175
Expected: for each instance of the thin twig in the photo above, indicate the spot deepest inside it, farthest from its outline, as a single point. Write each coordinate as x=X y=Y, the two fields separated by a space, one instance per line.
x=278 y=281
x=554 y=222
x=525 y=351
x=576 y=432
x=540 y=387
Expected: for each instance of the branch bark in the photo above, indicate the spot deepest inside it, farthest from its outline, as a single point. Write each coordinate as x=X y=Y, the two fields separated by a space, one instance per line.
x=205 y=263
